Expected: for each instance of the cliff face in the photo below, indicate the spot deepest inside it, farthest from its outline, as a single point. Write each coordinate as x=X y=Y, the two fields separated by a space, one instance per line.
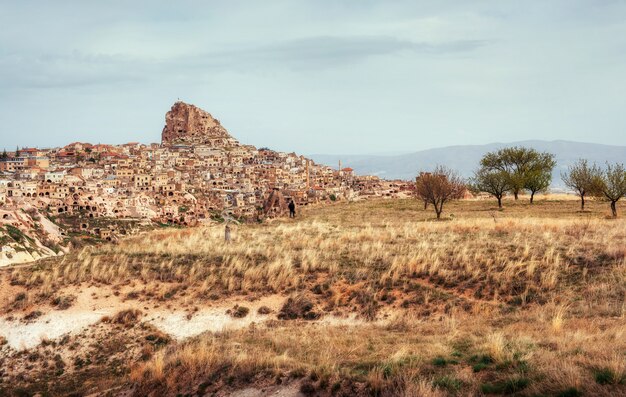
x=187 y=124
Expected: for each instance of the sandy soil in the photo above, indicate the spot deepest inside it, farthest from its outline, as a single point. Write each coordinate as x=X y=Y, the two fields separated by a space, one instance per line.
x=291 y=390
x=214 y=319
x=92 y=304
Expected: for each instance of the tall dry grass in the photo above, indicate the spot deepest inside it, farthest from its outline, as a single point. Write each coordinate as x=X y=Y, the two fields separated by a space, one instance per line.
x=513 y=260
x=411 y=356
x=530 y=300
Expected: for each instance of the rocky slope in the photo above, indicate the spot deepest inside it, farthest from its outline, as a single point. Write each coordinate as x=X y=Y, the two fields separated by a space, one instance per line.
x=26 y=235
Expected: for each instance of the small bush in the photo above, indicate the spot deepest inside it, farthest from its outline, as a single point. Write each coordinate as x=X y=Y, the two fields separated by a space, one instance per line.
x=479 y=367
x=307 y=388
x=480 y=362
x=33 y=315
x=509 y=386
x=571 y=392
x=127 y=318
x=264 y=310
x=604 y=376
x=239 y=311
x=440 y=362
x=132 y=295
x=449 y=383
x=158 y=339
x=63 y=302
x=296 y=307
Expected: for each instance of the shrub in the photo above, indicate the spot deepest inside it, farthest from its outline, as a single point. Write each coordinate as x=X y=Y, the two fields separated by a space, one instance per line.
x=158 y=339
x=510 y=386
x=127 y=317
x=481 y=362
x=239 y=311
x=296 y=307
x=264 y=310
x=440 y=362
x=449 y=383
x=571 y=392
x=33 y=315
x=307 y=388
x=63 y=302
x=604 y=376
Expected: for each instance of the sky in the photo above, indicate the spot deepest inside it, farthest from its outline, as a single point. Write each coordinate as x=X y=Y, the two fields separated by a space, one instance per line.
x=318 y=76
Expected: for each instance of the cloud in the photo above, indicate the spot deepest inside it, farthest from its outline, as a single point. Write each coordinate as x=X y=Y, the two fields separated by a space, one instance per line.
x=496 y=69
x=329 y=49
x=78 y=69
x=64 y=70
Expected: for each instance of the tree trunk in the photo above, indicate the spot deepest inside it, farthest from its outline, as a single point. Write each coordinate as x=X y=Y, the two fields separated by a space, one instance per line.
x=582 y=202
x=499 y=201
x=613 y=208
x=532 y=196
x=227 y=234
x=425 y=204
x=515 y=194
x=439 y=210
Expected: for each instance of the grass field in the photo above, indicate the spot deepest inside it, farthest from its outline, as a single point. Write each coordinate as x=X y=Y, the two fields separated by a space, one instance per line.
x=379 y=299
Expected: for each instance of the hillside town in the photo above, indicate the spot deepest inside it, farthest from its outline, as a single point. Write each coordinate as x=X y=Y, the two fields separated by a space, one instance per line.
x=197 y=173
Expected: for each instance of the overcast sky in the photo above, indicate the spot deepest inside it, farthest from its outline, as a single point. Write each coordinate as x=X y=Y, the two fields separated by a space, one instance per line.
x=315 y=76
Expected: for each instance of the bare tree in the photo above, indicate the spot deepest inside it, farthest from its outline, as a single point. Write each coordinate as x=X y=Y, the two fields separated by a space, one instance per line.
x=439 y=187
x=494 y=182
x=613 y=186
x=582 y=178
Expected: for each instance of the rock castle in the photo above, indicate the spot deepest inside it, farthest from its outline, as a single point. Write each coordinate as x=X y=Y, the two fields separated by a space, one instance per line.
x=197 y=174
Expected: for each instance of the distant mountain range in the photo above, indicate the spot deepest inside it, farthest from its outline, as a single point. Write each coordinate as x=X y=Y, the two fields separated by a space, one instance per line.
x=465 y=158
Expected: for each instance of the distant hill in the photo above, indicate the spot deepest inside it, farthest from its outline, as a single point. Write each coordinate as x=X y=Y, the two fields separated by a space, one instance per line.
x=465 y=158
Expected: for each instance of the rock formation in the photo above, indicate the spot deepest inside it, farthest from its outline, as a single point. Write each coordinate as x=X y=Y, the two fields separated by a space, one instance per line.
x=275 y=203
x=187 y=124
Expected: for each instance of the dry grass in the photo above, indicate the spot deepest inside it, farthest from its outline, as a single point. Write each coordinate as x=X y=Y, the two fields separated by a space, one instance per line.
x=473 y=355
x=528 y=300
x=382 y=246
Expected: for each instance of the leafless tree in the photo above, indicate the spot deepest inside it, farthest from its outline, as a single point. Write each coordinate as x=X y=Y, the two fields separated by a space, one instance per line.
x=613 y=186
x=438 y=187
x=582 y=178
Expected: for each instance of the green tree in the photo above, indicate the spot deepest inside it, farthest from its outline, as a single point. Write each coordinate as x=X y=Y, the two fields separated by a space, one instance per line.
x=17 y=151
x=613 y=185
x=493 y=182
x=539 y=174
x=582 y=178
x=522 y=166
x=4 y=155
